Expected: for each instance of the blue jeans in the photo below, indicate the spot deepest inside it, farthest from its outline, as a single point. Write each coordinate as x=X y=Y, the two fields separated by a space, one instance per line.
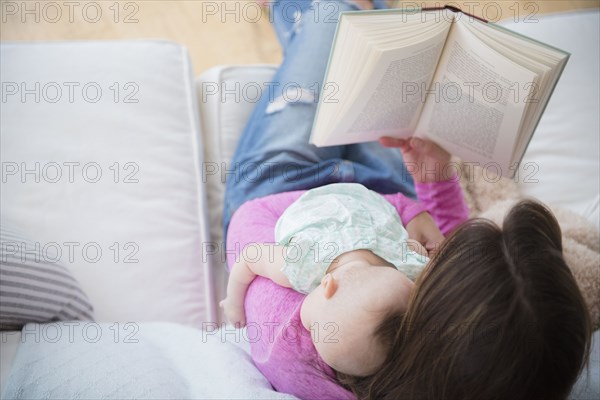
x=273 y=154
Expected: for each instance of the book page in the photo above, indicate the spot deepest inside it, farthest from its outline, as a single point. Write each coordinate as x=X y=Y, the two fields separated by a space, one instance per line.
x=547 y=61
x=473 y=109
x=392 y=101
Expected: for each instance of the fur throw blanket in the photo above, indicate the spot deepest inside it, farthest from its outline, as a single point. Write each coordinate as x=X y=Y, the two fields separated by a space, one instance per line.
x=580 y=238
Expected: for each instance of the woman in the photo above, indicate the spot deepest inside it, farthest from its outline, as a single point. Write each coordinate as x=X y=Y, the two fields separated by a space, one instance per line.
x=496 y=314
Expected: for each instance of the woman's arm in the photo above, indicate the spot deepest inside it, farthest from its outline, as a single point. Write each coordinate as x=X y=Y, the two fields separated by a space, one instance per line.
x=251 y=250
x=445 y=202
x=266 y=262
x=440 y=195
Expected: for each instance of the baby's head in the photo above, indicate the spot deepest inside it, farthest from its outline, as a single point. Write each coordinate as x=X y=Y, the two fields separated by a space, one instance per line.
x=495 y=315
x=348 y=313
x=353 y=314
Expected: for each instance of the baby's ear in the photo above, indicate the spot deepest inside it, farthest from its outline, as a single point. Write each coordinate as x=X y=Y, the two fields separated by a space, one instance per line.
x=329 y=284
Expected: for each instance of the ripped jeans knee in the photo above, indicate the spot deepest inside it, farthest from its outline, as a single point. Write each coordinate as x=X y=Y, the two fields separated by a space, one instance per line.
x=292 y=93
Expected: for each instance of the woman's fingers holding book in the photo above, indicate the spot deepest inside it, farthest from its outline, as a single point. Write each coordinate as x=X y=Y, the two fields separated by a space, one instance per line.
x=387 y=141
x=419 y=148
x=424 y=159
x=430 y=149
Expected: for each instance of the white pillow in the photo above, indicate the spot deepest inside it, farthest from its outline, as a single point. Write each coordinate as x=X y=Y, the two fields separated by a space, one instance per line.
x=134 y=361
x=112 y=130
x=562 y=163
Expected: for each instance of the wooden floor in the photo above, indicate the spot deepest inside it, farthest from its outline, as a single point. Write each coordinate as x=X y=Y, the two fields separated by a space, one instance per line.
x=214 y=31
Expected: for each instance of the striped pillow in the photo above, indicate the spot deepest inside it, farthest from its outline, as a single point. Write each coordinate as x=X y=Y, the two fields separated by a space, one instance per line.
x=33 y=289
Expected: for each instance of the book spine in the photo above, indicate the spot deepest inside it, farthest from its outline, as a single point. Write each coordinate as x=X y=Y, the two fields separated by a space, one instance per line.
x=456 y=10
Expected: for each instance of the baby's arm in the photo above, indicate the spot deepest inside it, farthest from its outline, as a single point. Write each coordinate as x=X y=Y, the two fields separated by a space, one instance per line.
x=267 y=263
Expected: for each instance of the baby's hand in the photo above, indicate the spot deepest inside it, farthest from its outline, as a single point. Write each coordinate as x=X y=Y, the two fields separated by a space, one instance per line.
x=417 y=247
x=234 y=313
x=423 y=229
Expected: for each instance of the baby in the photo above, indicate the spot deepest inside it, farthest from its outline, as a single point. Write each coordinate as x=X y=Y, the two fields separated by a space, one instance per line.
x=345 y=247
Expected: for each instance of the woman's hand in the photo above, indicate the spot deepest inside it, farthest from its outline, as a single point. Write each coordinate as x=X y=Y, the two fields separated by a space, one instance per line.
x=423 y=229
x=425 y=160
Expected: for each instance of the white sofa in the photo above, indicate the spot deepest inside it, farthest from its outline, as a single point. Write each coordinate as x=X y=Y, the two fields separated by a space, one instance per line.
x=159 y=140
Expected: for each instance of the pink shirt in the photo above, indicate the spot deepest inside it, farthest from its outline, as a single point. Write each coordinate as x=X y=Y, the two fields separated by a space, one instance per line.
x=280 y=346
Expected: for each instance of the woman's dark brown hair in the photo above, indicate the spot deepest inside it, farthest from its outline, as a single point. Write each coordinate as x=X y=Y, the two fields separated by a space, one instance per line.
x=496 y=315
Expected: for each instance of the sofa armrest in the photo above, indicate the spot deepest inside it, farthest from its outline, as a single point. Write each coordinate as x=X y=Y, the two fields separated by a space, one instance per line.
x=227 y=96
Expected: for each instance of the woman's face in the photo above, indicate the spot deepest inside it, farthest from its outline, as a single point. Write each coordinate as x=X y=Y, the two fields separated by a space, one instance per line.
x=343 y=313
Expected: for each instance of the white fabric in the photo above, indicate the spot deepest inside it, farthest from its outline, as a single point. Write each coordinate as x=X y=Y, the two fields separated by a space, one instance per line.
x=9 y=343
x=158 y=220
x=168 y=353
x=134 y=361
x=565 y=149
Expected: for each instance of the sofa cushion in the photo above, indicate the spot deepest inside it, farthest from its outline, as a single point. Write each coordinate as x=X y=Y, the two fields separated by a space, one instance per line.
x=101 y=160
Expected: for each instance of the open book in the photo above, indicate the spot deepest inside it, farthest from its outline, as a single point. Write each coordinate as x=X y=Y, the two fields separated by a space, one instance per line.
x=475 y=88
